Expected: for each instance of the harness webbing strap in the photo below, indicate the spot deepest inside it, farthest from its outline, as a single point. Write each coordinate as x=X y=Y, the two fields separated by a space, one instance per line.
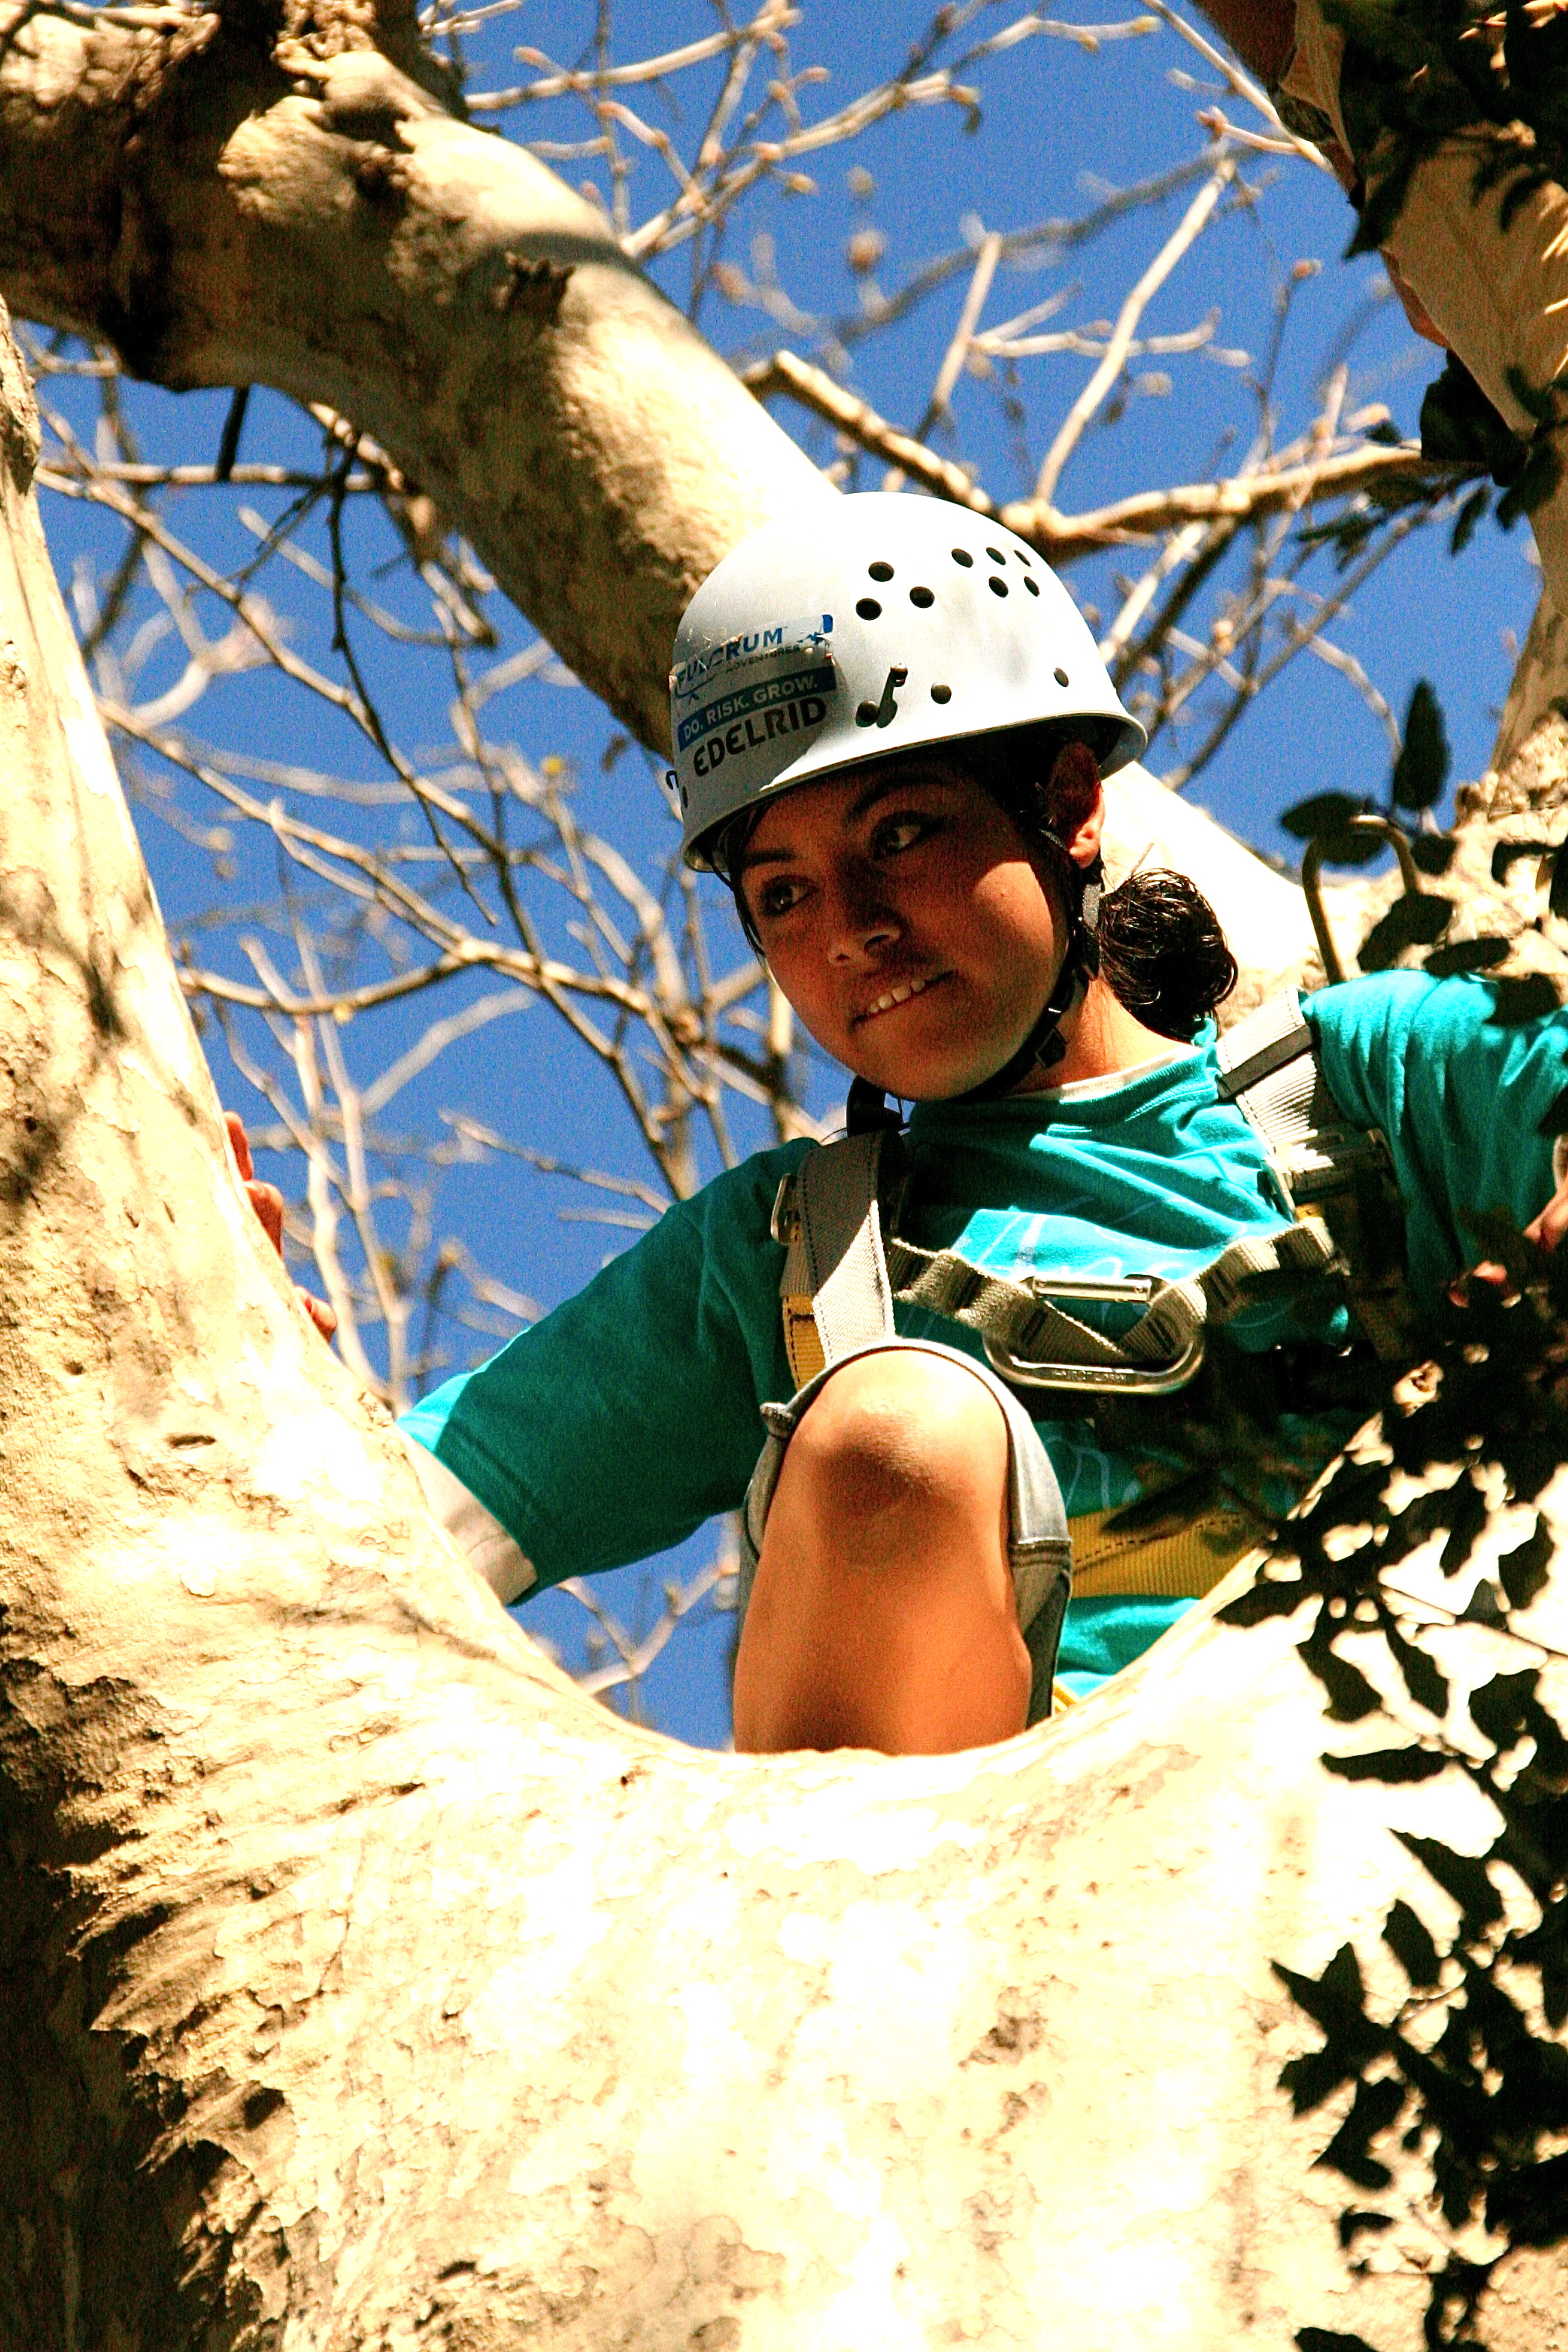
x=841 y=1277
x=1035 y=1343
x=1274 y=1035
x=842 y=1274
x=1329 y=1170
x=834 y=1286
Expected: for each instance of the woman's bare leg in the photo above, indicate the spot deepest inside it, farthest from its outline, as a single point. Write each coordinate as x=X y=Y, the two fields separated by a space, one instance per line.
x=882 y=1615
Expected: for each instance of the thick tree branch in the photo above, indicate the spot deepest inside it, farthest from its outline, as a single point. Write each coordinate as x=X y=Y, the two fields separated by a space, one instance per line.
x=312 y=213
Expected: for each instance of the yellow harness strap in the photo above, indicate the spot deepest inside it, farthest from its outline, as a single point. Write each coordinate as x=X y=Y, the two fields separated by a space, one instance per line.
x=1183 y=1564
x=803 y=1340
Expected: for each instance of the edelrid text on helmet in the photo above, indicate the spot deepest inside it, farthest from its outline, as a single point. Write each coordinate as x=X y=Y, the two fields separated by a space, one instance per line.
x=875 y=625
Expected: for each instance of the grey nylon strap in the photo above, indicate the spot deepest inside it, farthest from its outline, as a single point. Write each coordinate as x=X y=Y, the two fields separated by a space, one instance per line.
x=1034 y=1342
x=1269 y=1069
x=836 y=1256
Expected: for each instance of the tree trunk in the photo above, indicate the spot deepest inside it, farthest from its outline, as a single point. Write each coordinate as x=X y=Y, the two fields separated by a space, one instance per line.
x=364 y=1984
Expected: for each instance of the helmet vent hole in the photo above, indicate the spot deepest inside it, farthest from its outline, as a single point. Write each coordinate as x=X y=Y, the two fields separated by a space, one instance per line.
x=997 y=587
x=881 y=571
x=1033 y=586
x=922 y=597
x=1019 y=557
x=1061 y=678
x=962 y=555
x=941 y=694
x=996 y=555
x=868 y=609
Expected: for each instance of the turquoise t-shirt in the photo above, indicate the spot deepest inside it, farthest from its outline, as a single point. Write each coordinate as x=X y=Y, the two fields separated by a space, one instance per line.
x=612 y=1428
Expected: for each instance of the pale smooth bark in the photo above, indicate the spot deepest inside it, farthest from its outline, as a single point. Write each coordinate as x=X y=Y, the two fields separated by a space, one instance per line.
x=226 y=205
x=366 y=1986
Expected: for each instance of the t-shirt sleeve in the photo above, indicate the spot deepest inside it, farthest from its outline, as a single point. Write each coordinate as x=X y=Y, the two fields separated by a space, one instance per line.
x=1466 y=1097
x=614 y=1427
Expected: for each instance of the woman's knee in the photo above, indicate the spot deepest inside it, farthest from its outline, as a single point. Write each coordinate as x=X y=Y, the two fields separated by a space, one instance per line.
x=899 y=1431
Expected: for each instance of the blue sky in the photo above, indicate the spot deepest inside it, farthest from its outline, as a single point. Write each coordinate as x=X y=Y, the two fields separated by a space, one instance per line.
x=1060 y=128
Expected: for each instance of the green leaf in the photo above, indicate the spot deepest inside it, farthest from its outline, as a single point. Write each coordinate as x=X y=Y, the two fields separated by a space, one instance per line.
x=1422 y=768
x=1432 y=853
x=1467 y=955
x=1390 y=1764
x=1531 y=997
x=1541 y=473
x=1408 y=1938
x=1415 y=920
x=1524 y=1570
x=1555 y=1120
x=1324 y=813
x=1472 y=513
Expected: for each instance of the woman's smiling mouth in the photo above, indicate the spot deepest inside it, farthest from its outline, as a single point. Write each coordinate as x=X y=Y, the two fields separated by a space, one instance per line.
x=900 y=993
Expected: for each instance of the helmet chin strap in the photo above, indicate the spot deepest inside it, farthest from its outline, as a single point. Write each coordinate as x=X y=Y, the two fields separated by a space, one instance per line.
x=867 y=1107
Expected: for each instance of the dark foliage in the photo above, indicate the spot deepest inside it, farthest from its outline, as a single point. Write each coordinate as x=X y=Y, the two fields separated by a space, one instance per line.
x=1470 y=2070
x=1420 y=73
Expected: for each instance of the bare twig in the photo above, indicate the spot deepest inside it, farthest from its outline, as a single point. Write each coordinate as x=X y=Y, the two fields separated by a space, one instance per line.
x=1146 y=515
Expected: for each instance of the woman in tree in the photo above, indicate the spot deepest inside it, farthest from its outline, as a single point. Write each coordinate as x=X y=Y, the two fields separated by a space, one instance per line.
x=1112 y=1274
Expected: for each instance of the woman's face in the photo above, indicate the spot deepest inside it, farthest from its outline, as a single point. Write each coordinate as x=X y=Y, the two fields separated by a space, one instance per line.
x=902 y=917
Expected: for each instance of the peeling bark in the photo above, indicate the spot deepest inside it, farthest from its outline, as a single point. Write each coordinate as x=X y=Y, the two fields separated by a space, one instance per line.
x=365 y=1986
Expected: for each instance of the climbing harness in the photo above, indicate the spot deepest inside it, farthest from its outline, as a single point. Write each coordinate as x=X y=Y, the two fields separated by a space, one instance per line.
x=846 y=1267
x=1198 y=1415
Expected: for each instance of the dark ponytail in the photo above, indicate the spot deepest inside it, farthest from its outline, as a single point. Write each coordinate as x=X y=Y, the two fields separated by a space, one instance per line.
x=1162 y=951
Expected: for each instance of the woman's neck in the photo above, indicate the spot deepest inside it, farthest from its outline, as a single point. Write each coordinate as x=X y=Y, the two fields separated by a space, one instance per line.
x=1101 y=1037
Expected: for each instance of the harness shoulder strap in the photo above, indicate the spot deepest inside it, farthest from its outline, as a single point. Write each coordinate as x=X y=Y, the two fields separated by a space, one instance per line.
x=835 y=1289
x=1331 y=1172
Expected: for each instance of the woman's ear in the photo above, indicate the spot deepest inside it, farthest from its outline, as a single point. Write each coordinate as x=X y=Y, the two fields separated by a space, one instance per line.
x=1076 y=799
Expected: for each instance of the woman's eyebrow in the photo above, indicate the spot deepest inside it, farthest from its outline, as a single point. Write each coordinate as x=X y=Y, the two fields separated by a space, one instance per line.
x=876 y=790
x=763 y=857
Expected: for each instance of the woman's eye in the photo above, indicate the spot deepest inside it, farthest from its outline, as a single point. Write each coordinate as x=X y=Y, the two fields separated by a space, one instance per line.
x=776 y=898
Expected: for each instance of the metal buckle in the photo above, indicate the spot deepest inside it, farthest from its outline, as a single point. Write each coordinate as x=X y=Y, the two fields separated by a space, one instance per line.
x=784 y=1223
x=1125 y=1379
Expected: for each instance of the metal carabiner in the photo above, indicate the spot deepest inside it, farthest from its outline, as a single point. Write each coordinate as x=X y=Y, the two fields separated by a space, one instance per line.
x=1124 y=1379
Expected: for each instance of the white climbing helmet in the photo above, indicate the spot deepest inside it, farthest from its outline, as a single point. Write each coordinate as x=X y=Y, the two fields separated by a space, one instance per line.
x=870 y=626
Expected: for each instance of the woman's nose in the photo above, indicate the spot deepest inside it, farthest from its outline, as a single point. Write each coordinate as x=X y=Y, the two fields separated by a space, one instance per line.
x=863 y=920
